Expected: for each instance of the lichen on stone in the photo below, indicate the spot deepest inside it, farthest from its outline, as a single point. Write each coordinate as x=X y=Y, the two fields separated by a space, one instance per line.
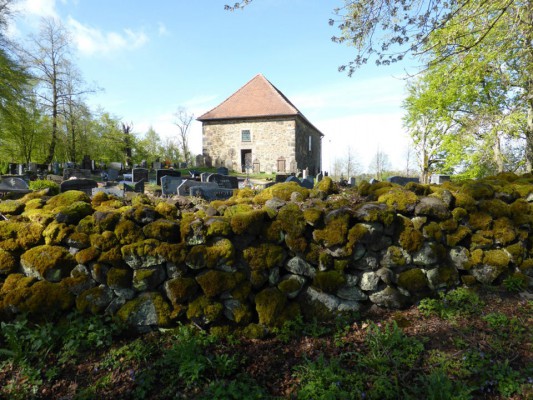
x=163 y=230
x=401 y=200
x=51 y=263
x=264 y=256
x=127 y=232
x=8 y=262
x=329 y=281
x=214 y=282
x=414 y=280
x=336 y=230
x=282 y=190
x=249 y=222
x=204 y=311
x=87 y=255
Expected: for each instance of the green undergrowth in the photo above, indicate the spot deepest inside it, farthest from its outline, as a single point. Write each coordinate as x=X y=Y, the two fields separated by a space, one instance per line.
x=458 y=346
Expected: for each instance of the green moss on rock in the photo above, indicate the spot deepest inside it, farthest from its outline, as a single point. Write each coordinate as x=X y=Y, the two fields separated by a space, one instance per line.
x=401 y=200
x=329 y=281
x=104 y=241
x=504 y=231
x=215 y=282
x=180 y=290
x=19 y=236
x=410 y=238
x=65 y=199
x=173 y=253
x=163 y=230
x=169 y=211
x=87 y=255
x=269 y=304
x=521 y=212
x=495 y=207
x=282 y=191
x=119 y=278
x=313 y=215
x=148 y=309
x=336 y=230
x=264 y=256
x=497 y=258
x=248 y=223
x=218 y=226
x=8 y=262
x=51 y=263
x=414 y=280
x=455 y=238
x=56 y=233
x=11 y=207
x=73 y=213
x=127 y=232
x=106 y=220
x=205 y=311
x=292 y=219
x=142 y=254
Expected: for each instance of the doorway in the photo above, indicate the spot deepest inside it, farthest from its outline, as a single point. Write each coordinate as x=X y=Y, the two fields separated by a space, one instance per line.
x=246 y=159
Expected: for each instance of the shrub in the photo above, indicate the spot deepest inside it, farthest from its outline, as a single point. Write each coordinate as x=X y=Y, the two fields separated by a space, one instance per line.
x=40 y=184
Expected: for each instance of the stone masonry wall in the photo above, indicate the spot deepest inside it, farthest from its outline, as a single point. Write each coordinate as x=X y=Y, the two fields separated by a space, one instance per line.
x=305 y=158
x=270 y=140
x=261 y=258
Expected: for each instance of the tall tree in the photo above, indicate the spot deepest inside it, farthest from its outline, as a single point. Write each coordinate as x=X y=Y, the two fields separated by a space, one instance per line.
x=379 y=164
x=48 y=57
x=183 y=122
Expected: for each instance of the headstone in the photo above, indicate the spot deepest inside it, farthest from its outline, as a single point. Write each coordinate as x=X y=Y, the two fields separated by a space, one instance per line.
x=112 y=174
x=165 y=172
x=352 y=182
x=224 y=181
x=86 y=162
x=210 y=194
x=256 y=166
x=55 y=178
x=281 y=177
x=127 y=177
x=203 y=176
x=12 y=169
x=184 y=188
x=32 y=167
x=308 y=182
x=372 y=181
x=222 y=171
x=156 y=165
x=305 y=173
x=292 y=167
x=55 y=168
x=84 y=185
x=437 y=179
x=137 y=187
x=402 y=180
x=183 y=165
x=208 y=162
x=76 y=173
x=13 y=185
x=20 y=169
x=292 y=178
x=115 y=165
x=194 y=173
x=319 y=176
x=140 y=174
x=199 y=160
x=169 y=184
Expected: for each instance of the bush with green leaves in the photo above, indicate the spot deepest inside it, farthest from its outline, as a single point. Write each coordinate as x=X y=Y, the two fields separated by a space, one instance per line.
x=458 y=302
x=40 y=184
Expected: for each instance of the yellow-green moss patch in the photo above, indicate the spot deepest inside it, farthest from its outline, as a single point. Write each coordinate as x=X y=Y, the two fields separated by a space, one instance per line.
x=292 y=219
x=87 y=255
x=269 y=304
x=414 y=280
x=47 y=262
x=282 y=191
x=403 y=201
x=180 y=290
x=215 y=282
x=66 y=199
x=249 y=223
x=11 y=207
x=329 y=281
x=163 y=230
x=336 y=230
x=148 y=309
x=218 y=226
x=57 y=232
x=264 y=256
x=119 y=278
x=204 y=310
x=127 y=232
x=19 y=236
x=8 y=262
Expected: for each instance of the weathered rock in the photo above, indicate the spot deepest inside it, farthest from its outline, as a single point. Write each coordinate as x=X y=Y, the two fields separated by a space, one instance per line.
x=460 y=257
x=147 y=279
x=292 y=285
x=51 y=263
x=145 y=311
x=94 y=300
x=352 y=293
x=298 y=266
x=369 y=281
x=427 y=255
x=389 y=298
x=432 y=207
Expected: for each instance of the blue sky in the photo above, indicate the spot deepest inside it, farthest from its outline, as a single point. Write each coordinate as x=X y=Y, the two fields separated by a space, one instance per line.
x=152 y=57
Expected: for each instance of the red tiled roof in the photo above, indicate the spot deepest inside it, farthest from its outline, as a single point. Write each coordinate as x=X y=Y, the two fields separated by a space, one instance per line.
x=258 y=98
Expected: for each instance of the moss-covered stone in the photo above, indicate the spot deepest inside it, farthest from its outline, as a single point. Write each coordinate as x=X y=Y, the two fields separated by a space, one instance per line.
x=142 y=214
x=65 y=199
x=329 y=281
x=444 y=276
x=104 y=241
x=401 y=200
x=394 y=257
x=336 y=230
x=51 y=263
x=410 y=239
x=148 y=309
x=192 y=229
x=460 y=235
x=465 y=201
x=521 y=212
x=79 y=240
x=313 y=216
x=264 y=256
x=296 y=244
x=180 y=290
x=495 y=207
x=173 y=253
x=215 y=282
x=291 y=285
x=87 y=255
x=238 y=312
x=375 y=212
x=11 y=207
x=269 y=304
x=272 y=232
x=517 y=252
x=167 y=210
x=478 y=190
x=504 y=231
x=119 y=278
x=87 y=226
x=8 y=262
x=218 y=226
x=418 y=188
x=142 y=254
x=497 y=258
x=482 y=240
x=205 y=311
x=74 y=212
x=433 y=230
x=292 y=219
x=56 y=233
x=19 y=236
x=127 y=232
x=282 y=191
x=106 y=220
x=39 y=216
x=94 y=300
x=459 y=214
x=147 y=279
x=39 y=299
x=163 y=230
x=414 y=280
x=34 y=204
x=248 y=223
x=326 y=185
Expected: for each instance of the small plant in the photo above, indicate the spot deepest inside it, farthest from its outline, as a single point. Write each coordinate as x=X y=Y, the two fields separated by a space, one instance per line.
x=241 y=388
x=515 y=283
x=438 y=386
x=458 y=302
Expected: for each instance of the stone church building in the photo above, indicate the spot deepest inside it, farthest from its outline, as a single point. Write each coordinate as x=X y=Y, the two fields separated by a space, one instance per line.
x=259 y=128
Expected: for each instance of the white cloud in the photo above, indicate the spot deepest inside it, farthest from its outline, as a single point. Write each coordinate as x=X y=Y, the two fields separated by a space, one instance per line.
x=90 y=41
x=162 y=29
x=38 y=8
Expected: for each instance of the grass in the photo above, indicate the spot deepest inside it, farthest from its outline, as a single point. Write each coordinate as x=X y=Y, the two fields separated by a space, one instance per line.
x=463 y=345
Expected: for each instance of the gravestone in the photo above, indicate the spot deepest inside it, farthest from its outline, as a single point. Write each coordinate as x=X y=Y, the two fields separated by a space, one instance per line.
x=211 y=193
x=137 y=187
x=224 y=181
x=165 y=172
x=256 y=166
x=183 y=165
x=20 y=169
x=352 y=182
x=115 y=165
x=199 y=160
x=281 y=178
x=308 y=182
x=169 y=184
x=156 y=165
x=194 y=173
x=292 y=167
x=292 y=178
x=32 y=167
x=81 y=184
x=127 y=177
x=139 y=174
x=112 y=174
x=86 y=162
x=402 y=180
x=319 y=177
x=203 y=176
x=184 y=188
x=12 y=169
x=437 y=179
x=13 y=185
x=222 y=171
x=76 y=173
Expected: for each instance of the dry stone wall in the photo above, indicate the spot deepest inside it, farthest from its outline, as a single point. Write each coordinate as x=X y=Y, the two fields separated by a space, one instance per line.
x=259 y=259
